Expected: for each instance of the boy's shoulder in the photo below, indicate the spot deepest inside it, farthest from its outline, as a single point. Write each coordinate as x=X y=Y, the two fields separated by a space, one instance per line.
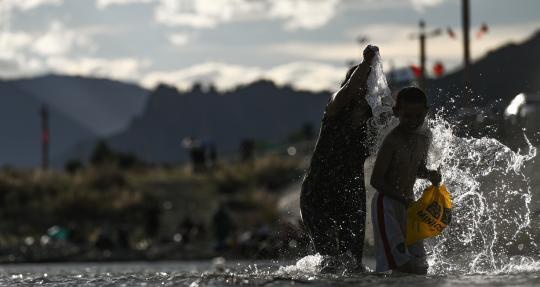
x=392 y=139
x=394 y=134
x=423 y=131
x=397 y=137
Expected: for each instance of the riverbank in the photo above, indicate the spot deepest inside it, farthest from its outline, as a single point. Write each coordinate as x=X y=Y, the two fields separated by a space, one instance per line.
x=105 y=213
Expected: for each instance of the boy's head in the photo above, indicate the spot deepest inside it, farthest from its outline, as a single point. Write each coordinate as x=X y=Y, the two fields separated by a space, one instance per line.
x=411 y=107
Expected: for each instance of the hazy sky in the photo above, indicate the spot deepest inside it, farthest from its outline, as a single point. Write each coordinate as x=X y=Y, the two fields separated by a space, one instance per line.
x=305 y=43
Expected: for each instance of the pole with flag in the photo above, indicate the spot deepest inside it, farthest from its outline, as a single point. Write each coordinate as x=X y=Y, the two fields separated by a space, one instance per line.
x=44 y=113
x=422 y=36
x=466 y=43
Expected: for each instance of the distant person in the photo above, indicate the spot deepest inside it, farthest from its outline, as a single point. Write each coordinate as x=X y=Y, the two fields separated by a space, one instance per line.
x=400 y=160
x=212 y=154
x=247 y=150
x=222 y=224
x=333 y=196
x=197 y=155
x=186 y=229
x=152 y=224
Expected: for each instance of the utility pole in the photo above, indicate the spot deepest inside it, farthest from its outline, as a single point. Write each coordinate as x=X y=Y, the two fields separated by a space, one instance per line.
x=44 y=113
x=466 y=43
x=423 y=36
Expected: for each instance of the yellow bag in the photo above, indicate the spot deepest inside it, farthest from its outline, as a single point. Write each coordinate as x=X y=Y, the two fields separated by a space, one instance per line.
x=430 y=215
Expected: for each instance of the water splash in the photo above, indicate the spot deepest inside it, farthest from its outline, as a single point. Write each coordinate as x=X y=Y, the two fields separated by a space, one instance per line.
x=490 y=190
x=310 y=264
x=379 y=96
x=491 y=198
x=491 y=193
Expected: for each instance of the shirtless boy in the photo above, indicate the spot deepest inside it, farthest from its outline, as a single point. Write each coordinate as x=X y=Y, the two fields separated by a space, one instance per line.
x=400 y=160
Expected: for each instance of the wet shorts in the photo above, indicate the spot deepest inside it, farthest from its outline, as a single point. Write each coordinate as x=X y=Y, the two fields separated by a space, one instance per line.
x=389 y=219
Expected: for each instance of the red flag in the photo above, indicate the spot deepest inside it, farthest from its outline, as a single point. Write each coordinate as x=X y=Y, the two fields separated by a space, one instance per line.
x=438 y=69
x=451 y=33
x=417 y=72
x=45 y=137
x=483 y=30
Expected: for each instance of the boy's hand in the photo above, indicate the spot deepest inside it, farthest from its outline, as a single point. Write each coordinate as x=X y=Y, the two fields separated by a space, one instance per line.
x=408 y=202
x=435 y=177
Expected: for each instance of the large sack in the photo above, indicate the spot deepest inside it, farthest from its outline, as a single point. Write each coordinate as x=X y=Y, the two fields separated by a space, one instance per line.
x=430 y=215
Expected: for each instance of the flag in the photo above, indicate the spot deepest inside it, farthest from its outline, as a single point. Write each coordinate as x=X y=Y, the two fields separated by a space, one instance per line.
x=451 y=33
x=45 y=137
x=483 y=30
x=438 y=69
x=417 y=72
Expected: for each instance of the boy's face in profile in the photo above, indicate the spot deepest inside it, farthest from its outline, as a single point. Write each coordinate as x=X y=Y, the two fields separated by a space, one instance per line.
x=411 y=115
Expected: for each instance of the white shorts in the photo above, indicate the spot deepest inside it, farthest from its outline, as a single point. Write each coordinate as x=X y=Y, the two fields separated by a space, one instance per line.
x=389 y=219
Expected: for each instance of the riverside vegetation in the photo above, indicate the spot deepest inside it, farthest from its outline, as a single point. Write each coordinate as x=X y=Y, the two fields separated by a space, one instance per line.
x=119 y=208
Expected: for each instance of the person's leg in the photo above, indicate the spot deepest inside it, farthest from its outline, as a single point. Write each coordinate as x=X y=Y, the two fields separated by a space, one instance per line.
x=415 y=265
x=352 y=232
x=389 y=235
x=358 y=223
x=418 y=263
x=320 y=225
x=323 y=236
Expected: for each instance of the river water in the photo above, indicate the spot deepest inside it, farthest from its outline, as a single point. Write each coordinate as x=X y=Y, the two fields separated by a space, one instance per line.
x=261 y=273
x=492 y=240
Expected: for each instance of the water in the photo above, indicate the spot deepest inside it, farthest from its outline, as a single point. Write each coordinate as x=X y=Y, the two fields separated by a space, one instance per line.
x=262 y=273
x=491 y=228
x=489 y=242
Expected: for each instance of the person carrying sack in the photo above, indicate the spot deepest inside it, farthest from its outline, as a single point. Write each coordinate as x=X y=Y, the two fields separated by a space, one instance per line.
x=400 y=161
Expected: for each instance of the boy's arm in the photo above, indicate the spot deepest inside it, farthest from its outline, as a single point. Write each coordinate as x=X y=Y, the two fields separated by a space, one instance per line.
x=382 y=165
x=432 y=175
x=423 y=172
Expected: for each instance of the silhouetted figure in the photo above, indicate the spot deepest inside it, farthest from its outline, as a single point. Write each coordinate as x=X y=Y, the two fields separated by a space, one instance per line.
x=101 y=154
x=197 y=154
x=123 y=236
x=401 y=159
x=186 y=229
x=105 y=240
x=333 y=196
x=212 y=155
x=153 y=214
x=222 y=224
x=247 y=150
x=308 y=131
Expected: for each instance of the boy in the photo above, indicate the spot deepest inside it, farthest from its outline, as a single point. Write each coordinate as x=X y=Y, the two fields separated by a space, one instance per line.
x=333 y=198
x=400 y=160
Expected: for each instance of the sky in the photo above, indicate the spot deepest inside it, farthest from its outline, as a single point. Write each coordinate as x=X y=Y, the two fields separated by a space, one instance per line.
x=303 y=43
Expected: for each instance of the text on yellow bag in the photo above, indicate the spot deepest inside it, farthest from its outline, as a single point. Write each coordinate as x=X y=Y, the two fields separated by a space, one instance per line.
x=430 y=215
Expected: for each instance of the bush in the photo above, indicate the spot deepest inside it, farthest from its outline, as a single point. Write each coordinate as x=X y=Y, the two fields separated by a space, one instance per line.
x=275 y=173
x=72 y=166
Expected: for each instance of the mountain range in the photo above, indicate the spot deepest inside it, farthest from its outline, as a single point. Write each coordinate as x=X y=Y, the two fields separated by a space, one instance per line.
x=495 y=79
x=260 y=111
x=152 y=124
x=80 y=109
